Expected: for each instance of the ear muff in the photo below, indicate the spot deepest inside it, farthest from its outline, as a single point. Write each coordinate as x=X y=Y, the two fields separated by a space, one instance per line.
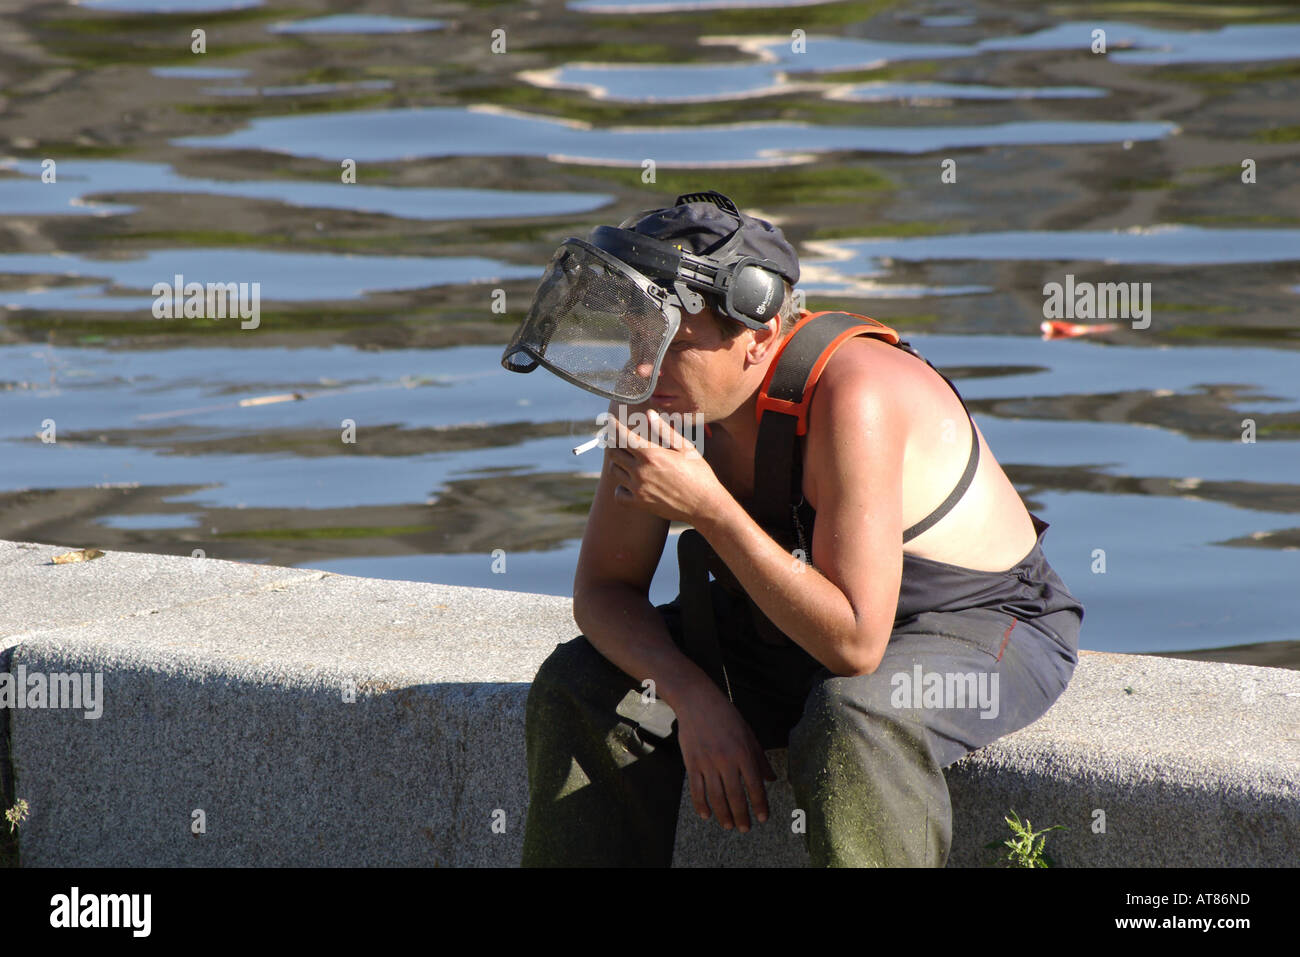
x=756 y=292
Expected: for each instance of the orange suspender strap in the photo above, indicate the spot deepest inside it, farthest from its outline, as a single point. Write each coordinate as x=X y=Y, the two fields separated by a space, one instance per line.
x=793 y=394
x=782 y=410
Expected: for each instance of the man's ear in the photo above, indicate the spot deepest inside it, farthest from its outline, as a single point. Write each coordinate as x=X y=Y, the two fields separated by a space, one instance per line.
x=763 y=341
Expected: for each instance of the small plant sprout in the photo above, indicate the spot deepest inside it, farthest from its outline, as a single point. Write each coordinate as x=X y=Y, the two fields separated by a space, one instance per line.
x=16 y=814
x=1022 y=849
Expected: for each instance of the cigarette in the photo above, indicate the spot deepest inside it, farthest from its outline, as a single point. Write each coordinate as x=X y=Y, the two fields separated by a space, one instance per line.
x=588 y=445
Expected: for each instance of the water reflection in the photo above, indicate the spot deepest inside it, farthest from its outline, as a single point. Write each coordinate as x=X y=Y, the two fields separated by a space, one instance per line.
x=283 y=277
x=357 y=23
x=1165 y=244
x=930 y=92
x=1151 y=46
x=669 y=6
x=456 y=131
x=695 y=83
x=80 y=180
x=168 y=6
x=389 y=299
x=198 y=72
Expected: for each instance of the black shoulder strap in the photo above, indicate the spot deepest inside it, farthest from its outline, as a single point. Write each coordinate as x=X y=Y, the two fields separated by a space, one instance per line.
x=955 y=495
x=778 y=469
x=972 y=462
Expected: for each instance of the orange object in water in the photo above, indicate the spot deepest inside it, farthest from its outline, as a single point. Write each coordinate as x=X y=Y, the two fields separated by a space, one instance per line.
x=1057 y=329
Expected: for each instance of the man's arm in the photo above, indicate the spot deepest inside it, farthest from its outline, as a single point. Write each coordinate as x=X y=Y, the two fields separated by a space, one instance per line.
x=842 y=611
x=725 y=764
x=621 y=548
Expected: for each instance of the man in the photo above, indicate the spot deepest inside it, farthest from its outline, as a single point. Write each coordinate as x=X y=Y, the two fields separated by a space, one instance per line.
x=874 y=618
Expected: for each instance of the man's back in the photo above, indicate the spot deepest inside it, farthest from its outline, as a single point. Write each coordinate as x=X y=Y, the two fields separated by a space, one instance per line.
x=988 y=529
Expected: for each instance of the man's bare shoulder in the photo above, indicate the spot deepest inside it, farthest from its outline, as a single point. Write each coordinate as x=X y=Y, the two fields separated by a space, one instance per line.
x=866 y=367
x=859 y=402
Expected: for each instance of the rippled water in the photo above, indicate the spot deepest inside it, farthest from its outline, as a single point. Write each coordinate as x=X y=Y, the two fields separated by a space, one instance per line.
x=377 y=296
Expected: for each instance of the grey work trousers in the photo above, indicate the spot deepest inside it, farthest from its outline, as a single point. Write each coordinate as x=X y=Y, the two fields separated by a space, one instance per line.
x=865 y=759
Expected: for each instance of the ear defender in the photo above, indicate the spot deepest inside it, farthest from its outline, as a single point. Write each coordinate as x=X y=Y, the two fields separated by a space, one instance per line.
x=757 y=293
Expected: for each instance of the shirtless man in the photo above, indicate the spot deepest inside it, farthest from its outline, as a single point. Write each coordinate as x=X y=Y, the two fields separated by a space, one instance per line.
x=970 y=595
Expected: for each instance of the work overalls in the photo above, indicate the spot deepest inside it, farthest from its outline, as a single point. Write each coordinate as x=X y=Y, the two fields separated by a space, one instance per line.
x=866 y=753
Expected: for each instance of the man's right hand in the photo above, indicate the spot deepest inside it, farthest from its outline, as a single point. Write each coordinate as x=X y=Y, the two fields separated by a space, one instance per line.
x=723 y=759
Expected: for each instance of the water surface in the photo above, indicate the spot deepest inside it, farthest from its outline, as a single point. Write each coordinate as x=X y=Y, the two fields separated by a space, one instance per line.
x=365 y=425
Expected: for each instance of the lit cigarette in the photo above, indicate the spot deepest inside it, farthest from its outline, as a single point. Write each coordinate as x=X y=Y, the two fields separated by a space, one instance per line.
x=588 y=445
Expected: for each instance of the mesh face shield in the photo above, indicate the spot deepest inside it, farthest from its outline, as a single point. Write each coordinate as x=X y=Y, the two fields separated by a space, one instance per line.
x=606 y=310
x=597 y=323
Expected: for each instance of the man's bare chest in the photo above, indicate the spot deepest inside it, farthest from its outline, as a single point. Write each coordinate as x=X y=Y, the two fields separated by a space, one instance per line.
x=734 y=468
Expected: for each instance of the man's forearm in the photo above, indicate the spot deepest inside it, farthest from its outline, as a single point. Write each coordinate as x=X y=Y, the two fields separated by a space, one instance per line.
x=797 y=598
x=624 y=627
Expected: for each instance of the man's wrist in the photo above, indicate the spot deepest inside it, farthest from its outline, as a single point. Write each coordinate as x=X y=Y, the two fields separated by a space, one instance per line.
x=690 y=688
x=716 y=513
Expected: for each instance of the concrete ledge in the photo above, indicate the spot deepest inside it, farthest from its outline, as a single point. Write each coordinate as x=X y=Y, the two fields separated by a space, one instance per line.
x=222 y=693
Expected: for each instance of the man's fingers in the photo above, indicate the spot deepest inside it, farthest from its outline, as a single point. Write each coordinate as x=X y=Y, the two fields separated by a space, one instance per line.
x=671 y=438
x=626 y=438
x=622 y=477
x=697 y=795
x=719 y=802
x=621 y=457
x=757 y=792
x=736 y=800
x=668 y=436
x=661 y=433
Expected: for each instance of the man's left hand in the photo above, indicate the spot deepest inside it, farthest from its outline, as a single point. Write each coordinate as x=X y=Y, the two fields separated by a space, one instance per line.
x=670 y=479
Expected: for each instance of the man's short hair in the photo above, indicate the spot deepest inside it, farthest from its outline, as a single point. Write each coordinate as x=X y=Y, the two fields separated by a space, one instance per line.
x=788 y=314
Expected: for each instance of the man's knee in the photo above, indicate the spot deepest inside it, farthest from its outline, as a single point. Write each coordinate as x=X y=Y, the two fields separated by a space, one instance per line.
x=575 y=674
x=837 y=703
x=863 y=771
x=851 y=721
x=558 y=666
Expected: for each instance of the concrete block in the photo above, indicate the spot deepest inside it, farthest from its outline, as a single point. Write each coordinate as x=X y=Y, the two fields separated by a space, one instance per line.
x=225 y=692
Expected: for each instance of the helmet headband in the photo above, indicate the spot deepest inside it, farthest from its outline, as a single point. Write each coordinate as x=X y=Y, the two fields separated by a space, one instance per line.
x=746 y=289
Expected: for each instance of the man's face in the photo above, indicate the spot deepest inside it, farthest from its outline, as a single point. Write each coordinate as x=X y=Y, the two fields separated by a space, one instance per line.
x=702 y=371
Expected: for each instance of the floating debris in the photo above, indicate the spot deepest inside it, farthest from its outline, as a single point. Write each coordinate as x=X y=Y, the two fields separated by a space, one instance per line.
x=80 y=555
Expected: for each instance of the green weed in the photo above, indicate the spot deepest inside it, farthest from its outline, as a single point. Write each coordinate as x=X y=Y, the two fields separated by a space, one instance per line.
x=16 y=814
x=1022 y=851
